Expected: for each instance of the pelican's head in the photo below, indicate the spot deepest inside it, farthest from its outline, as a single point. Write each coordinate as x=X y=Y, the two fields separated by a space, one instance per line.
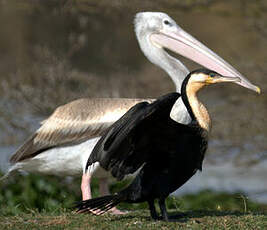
x=155 y=31
x=147 y=23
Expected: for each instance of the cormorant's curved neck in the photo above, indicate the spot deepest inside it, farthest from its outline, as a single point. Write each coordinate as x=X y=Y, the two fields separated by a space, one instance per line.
x=185 y=98
x=195 y=108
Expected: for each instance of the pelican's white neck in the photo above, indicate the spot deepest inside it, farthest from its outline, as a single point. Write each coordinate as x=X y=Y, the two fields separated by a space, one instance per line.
x=175 y=69
x=158 y=56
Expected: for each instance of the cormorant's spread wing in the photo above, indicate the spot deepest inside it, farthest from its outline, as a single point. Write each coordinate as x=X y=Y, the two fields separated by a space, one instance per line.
x=121 y=148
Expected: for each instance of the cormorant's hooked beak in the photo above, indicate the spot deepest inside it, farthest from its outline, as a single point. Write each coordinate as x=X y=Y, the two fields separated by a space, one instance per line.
x=184 y=44
x=220 y=78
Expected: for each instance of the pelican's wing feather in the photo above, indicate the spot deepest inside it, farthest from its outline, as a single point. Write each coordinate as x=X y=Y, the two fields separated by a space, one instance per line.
x=73 y=123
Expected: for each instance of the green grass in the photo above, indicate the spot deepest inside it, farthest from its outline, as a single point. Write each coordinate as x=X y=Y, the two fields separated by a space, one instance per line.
x=38 y=202
x=135 y=220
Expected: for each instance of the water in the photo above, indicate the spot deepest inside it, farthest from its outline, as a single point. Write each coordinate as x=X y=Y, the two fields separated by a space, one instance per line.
x=227 y=177
x=5 y=153
x=221 y=177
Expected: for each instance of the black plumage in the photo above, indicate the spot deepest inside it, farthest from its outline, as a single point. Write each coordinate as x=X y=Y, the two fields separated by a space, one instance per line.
x=168 y=153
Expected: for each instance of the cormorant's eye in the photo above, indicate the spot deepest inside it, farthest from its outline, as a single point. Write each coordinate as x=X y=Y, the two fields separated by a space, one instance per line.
x=166 y=22
x=212 y=74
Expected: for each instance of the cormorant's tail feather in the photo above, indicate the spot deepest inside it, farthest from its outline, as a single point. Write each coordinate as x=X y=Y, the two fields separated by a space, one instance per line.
x=100 y=205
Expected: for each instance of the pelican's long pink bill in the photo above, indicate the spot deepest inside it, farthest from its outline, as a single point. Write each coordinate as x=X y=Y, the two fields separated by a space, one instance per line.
x=186 y=45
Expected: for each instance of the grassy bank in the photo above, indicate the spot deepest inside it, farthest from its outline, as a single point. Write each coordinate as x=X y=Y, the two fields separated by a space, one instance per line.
x=135 y=220
x=37 y=202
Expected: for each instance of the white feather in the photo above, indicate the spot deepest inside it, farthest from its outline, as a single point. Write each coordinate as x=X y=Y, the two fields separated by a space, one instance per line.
x=65 y=160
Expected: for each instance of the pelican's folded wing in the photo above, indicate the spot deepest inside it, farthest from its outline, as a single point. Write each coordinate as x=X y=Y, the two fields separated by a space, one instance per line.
x=74 y=123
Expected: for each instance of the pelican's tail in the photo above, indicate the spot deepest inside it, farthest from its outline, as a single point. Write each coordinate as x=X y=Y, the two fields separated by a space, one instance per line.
x=100 y=205
x=4 y=177
x=9 y=173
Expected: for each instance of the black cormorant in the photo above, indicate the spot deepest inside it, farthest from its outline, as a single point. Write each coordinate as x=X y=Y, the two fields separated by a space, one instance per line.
x=169 y=153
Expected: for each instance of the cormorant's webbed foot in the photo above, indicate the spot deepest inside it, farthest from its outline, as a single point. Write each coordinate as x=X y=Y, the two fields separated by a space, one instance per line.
x=163 y=210
x=153 y=211
x=164 y=213
x=178 y=215
x=165 y=217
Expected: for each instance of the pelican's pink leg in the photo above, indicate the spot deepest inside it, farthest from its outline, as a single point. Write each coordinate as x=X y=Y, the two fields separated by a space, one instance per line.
x=85 y=186
x=104 y=190
x=86 y=190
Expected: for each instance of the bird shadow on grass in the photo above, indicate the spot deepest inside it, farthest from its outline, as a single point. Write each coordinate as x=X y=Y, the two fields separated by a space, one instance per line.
x=183 y=217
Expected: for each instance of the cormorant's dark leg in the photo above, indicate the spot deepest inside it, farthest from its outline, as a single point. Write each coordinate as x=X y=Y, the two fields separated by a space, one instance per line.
x=152 y=209
x=163 y=209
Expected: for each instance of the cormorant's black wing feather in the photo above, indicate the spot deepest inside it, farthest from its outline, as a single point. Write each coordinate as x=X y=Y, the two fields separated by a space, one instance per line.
x=102 y=147
x=118 y=149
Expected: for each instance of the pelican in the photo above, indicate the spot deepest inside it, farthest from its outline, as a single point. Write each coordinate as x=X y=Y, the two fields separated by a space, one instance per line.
x=63 y=143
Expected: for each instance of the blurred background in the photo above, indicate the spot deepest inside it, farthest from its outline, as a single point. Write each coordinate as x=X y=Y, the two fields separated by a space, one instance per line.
x=52 y=52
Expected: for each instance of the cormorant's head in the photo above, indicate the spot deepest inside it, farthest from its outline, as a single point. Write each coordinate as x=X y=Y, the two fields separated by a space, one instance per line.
x=202 y=77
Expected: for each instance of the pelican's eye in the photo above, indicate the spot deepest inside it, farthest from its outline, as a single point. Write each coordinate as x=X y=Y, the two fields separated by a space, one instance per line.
x=167 y=22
